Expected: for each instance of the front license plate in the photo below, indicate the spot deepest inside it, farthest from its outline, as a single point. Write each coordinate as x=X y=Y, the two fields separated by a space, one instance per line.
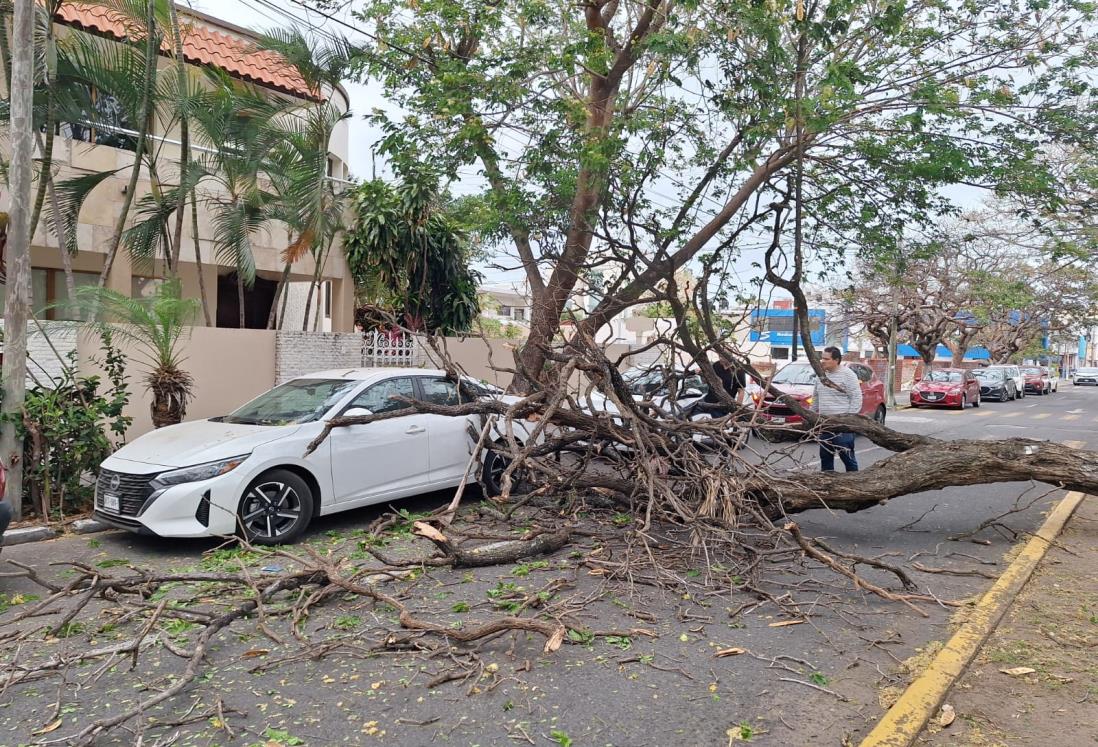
x=110 y=502
x=778 y=421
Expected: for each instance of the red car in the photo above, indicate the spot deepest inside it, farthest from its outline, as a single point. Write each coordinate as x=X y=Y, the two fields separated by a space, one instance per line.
x=1038 y=380
x=799 y=381
x=947 y=387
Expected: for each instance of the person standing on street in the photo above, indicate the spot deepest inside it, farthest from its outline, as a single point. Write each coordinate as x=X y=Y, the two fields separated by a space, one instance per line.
x=733 y=380
x=842 y=399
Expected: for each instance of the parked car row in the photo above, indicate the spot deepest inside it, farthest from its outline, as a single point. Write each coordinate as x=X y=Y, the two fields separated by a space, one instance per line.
x=959 y=388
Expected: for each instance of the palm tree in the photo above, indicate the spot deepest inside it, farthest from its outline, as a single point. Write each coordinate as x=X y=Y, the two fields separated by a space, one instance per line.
x=239 y=124
x=156 y=327
x=307 y=201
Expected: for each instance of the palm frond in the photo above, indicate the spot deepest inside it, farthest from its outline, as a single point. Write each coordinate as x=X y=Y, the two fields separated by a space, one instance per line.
x=155 y=326
x=71 y=194
x=149 y=233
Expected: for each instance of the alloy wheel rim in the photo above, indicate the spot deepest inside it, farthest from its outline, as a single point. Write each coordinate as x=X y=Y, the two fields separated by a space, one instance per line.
x=499 y=466
x=270 y=509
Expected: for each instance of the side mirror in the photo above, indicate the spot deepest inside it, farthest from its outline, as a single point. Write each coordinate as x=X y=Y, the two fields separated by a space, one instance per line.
x=357 y=412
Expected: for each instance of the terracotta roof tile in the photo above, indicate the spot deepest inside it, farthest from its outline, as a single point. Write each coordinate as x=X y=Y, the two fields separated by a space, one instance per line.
x=201 y=46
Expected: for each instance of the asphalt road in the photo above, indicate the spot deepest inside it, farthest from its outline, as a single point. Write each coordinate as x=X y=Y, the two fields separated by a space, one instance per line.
x=661 y=691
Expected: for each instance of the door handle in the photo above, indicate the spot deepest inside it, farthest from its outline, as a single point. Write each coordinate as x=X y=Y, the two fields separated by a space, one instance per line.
x=416 y=429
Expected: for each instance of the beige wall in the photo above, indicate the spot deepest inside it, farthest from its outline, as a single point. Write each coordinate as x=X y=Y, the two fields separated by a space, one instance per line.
x=229 y=366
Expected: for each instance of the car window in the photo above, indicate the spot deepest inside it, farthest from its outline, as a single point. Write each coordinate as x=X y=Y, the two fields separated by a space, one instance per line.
x=865 y=373
x=795 y=373
x=296 y=401
x=439 y=391
x=379 y=397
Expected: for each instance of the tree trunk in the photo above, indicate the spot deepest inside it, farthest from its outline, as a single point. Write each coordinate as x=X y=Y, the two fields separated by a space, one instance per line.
x=184 y=142
x=46 y=164
x=151 y=49
x=274 y=316
x=931 y=465
x=198 y=258
x=240 y=297
x=17 y=250
x=317 y=272
x=62 y=239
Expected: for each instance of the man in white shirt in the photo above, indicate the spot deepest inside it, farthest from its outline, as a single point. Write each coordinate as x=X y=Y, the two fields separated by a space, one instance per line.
x=843 y=398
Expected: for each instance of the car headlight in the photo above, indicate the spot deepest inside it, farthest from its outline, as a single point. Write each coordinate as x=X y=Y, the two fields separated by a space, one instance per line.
x=198 y=472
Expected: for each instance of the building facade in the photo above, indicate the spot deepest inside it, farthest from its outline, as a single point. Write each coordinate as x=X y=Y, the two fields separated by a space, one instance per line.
x=80 y=149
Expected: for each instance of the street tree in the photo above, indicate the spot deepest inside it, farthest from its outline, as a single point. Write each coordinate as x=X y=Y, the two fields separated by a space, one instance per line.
x=646 y=133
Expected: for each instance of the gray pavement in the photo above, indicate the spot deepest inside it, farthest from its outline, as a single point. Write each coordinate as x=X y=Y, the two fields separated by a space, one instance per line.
x=668 y=689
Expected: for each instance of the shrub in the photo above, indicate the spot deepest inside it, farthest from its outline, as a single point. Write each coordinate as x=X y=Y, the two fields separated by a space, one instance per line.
x=67 y=431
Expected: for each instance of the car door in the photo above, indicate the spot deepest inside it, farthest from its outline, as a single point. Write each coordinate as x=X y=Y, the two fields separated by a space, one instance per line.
x=872 y=389
x=385 y=457
x=972 y=386
x=448 y=441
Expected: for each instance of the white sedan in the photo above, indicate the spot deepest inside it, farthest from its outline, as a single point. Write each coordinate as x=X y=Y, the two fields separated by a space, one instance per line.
x=247 y=472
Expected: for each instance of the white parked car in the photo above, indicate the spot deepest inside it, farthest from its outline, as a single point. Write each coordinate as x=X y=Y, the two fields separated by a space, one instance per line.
x=1085 y=376
x=1014 y=372
x=248 y=471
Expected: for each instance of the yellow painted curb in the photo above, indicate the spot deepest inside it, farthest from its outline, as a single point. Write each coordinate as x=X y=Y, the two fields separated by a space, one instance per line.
x=906 y=718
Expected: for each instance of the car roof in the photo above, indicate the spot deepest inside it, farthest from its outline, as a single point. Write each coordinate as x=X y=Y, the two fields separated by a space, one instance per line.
x=362 y=374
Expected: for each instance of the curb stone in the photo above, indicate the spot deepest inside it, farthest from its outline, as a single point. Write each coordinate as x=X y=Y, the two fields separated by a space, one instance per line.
x=23 y=535
x=901 y=725
x=41 y=532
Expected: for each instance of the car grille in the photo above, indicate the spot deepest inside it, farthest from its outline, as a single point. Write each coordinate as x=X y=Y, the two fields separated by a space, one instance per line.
x=776 y=410
x=132 y=491
x=1085 y=380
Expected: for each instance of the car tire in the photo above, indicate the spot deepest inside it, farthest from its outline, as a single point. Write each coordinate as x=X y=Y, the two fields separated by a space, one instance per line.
x=976 y=402
x=879 y=414
x=964 y=402
x=276 y=508
x=491 y=473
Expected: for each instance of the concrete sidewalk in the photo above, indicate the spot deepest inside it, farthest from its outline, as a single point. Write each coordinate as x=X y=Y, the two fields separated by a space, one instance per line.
x=1037 y=675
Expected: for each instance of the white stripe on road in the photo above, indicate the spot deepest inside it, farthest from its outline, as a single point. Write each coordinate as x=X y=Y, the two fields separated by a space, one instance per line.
x=1071 y=417
x=1042 y=416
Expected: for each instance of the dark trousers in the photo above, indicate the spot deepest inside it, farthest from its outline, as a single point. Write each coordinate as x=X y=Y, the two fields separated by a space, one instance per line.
x=841 y=444
x=5 y=518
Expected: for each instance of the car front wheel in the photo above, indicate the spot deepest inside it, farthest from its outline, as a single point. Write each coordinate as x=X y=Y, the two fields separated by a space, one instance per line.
x=879 y=414
x=964 y=402
x=491 y=475
x=976 y=402
x=275 y=509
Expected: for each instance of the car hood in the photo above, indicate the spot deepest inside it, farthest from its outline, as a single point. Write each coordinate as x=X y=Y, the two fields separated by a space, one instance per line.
x=800 y=391
x=937 y=386
x=200 y=441
x=993 y=383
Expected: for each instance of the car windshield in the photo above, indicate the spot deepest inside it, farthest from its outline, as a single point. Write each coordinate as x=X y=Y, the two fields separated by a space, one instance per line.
x=1087 y=372
x=991 y=375
x=297 y=401
x=1031 y=371
x=645 y=382
x=795 y=374
x=944 y=376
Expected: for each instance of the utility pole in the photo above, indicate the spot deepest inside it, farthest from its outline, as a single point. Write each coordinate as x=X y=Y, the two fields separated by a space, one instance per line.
x=890 y=385
x=17 y=250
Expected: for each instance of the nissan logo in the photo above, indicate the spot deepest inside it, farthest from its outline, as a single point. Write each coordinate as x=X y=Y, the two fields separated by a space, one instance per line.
x=116 y=481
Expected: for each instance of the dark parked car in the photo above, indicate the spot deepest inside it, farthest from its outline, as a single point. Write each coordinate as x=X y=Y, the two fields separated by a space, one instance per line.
x=947 y=387
x=995 y=384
